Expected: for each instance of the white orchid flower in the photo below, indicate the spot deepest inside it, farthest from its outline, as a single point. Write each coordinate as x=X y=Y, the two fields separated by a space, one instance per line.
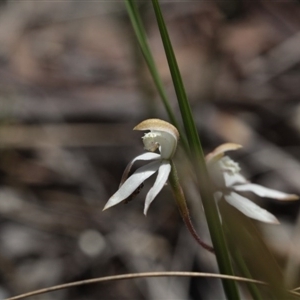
x=162 y=136
x=226 y=174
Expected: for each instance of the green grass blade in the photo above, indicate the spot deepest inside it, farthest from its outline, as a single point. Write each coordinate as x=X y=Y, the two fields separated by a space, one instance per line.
x=140 y=33
x=198 y=160
x=253 y=289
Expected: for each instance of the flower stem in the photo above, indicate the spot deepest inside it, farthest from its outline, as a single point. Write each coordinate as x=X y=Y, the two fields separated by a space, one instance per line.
x=183 y=209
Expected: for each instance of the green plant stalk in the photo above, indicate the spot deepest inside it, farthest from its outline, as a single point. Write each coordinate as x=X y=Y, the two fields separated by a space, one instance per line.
x=197 y=158
x=253 y=289
x=182 y=206
x=140 y=33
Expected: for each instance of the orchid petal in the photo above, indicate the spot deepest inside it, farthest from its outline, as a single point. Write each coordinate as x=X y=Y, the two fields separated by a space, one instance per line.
x=162 y=140
x=132 y=183
x=264 y=192
x=250 y=209
x=158 y=125
x=219 y=151
x=144 y=156
x=231 y=179
x=162 y=135
x=162 y=176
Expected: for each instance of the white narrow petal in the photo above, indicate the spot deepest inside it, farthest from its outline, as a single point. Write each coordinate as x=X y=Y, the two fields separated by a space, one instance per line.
x=250 y=209
x=162 y=177
x=132 y=183
x=264 y=192
x=144 y=156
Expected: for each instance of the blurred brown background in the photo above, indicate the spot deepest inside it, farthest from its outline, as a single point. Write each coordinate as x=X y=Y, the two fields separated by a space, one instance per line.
x=73 y=84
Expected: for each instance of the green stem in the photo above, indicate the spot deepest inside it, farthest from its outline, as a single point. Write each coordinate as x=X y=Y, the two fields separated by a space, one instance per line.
x=183 y=209
x=253 y=289
x=198 y=160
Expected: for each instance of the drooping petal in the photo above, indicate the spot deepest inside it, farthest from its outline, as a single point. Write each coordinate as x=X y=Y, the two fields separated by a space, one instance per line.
x=250 y=209
x=132 y=183
x=265 y=192
x=144 y=156
x=162 y=177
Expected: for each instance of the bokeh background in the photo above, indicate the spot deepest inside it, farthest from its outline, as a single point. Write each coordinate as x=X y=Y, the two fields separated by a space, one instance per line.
x=73 y=84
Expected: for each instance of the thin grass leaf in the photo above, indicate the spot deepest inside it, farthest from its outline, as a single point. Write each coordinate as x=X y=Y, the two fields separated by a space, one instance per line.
x=198 y=160
x=133 y=276
x=140 y=33
x=253 y=289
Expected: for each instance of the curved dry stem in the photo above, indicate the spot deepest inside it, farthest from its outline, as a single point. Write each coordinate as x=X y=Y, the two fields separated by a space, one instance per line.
x=183 y=208
x=133 y=276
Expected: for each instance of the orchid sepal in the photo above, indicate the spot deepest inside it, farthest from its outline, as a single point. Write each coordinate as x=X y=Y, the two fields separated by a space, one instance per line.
x=265 y=192
x=132 y=183
x=144 y=156
x=249 y=208
x=161 y=179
